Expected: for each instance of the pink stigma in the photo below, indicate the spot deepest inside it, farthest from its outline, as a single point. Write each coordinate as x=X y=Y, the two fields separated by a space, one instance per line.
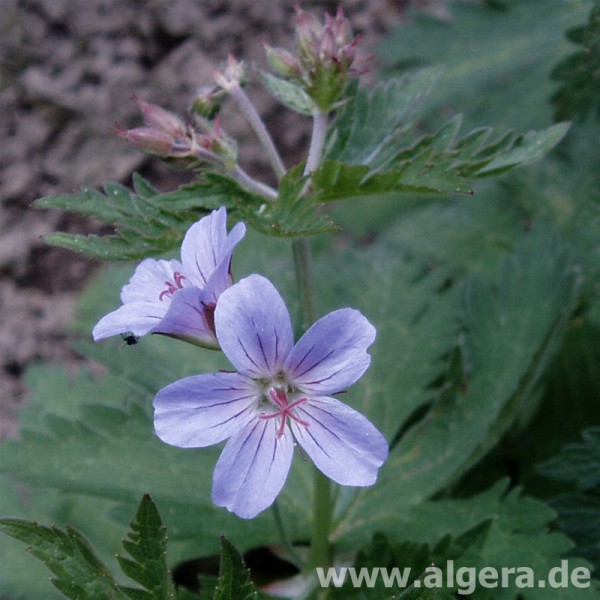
x=285 y=410
x=172 y=287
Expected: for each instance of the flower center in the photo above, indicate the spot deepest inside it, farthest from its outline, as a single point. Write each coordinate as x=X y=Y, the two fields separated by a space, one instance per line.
x=280 y=399
x=172 y=287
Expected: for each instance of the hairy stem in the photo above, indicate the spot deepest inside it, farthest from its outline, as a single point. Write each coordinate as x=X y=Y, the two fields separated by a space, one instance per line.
x=317 y=142
x=257 y=124
x=253 y=185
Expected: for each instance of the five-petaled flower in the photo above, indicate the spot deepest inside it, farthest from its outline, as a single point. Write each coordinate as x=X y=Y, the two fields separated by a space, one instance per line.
x=176 y=298
x=280 y=396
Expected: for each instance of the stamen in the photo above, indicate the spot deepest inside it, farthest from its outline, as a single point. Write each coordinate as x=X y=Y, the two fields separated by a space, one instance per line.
x=285 y=410
x=172 y=287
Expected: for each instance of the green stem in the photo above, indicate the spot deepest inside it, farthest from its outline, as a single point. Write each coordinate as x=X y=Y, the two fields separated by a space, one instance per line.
x=320 y=550
x=305 y=280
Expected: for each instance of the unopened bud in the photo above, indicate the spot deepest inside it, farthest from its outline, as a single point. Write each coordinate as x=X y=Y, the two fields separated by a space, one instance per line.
x=308 y=31
x=161 y=119
x=340 y=26
x=147 y=139
x=283 y=63
x=207 y=102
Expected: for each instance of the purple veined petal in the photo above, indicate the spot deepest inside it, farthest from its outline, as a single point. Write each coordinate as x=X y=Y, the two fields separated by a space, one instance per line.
x=190 y=317
x=137 y=317
x=151 y=279
x=218 y=282
x=253 y=327
x=203 y=410
x=332 y=354
x=206 y=245
x=238 y=231
x=252 y=468
x=342 y=443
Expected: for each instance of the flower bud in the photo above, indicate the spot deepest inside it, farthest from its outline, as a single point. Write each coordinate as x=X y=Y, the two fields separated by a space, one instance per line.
x=160 y=119
x=340 y=27
x=308 y=31
x=283 y=63
x=147 y=139
x=214 y=145
x=207 y=102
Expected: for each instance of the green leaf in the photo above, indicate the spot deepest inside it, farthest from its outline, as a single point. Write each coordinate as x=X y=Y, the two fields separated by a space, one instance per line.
x=438 y=163
x=370 y=123
x=78 y=572
x=148 y=223
x=293 y=214
x=289 y=94
x=497 y=62
x=234 y=578
x=579 y=94
x=577 y=462
x=147 y=546
x=512 y=328
x=526 y=149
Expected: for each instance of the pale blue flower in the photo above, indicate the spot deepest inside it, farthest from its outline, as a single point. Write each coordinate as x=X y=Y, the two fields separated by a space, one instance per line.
x=179 y=298
x=280 y=396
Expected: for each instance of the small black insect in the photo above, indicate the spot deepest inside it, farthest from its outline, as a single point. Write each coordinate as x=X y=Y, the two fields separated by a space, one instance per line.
x=130 y=339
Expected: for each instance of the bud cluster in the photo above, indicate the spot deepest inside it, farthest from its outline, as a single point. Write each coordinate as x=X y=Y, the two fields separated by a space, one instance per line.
x=324 y=58
x=166 y=135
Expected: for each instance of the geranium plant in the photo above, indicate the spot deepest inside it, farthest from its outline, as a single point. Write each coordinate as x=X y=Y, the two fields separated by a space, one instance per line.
x=342 y=422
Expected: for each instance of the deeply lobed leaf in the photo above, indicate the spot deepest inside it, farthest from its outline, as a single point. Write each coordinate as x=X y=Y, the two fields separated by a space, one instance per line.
x=79 y=573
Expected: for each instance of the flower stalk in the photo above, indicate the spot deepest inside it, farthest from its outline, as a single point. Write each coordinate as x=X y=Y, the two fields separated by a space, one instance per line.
x=320 y=553
x=259 y=128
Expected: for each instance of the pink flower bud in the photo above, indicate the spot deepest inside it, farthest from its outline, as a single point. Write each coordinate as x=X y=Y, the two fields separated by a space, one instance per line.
x=340 y=26
x=308 y=31
x=147 y=139
x=284 y=63
x=161 y=119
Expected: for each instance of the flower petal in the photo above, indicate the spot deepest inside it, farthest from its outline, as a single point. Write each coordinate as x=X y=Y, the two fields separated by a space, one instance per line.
x=332 y=354
x=137 y=317
x=189 y=318
x=203 y=410
x=252 y=468
x=253 y=327
x=150 y=280
x=342 y=443
x=206 y=245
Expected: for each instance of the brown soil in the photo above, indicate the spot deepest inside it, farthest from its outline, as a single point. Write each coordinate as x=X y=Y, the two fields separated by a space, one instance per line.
x=68 y=69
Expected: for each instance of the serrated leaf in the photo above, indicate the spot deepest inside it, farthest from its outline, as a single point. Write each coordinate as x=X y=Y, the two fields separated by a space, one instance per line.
x=577 y=462
x=497 y=62
x=526 y=149
x=79 y=574
x=512 y=328
x=234 y=578
x=293 y=214
x=437 y=163
x=373 y=120
x=146 y=543
x=579 y=94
